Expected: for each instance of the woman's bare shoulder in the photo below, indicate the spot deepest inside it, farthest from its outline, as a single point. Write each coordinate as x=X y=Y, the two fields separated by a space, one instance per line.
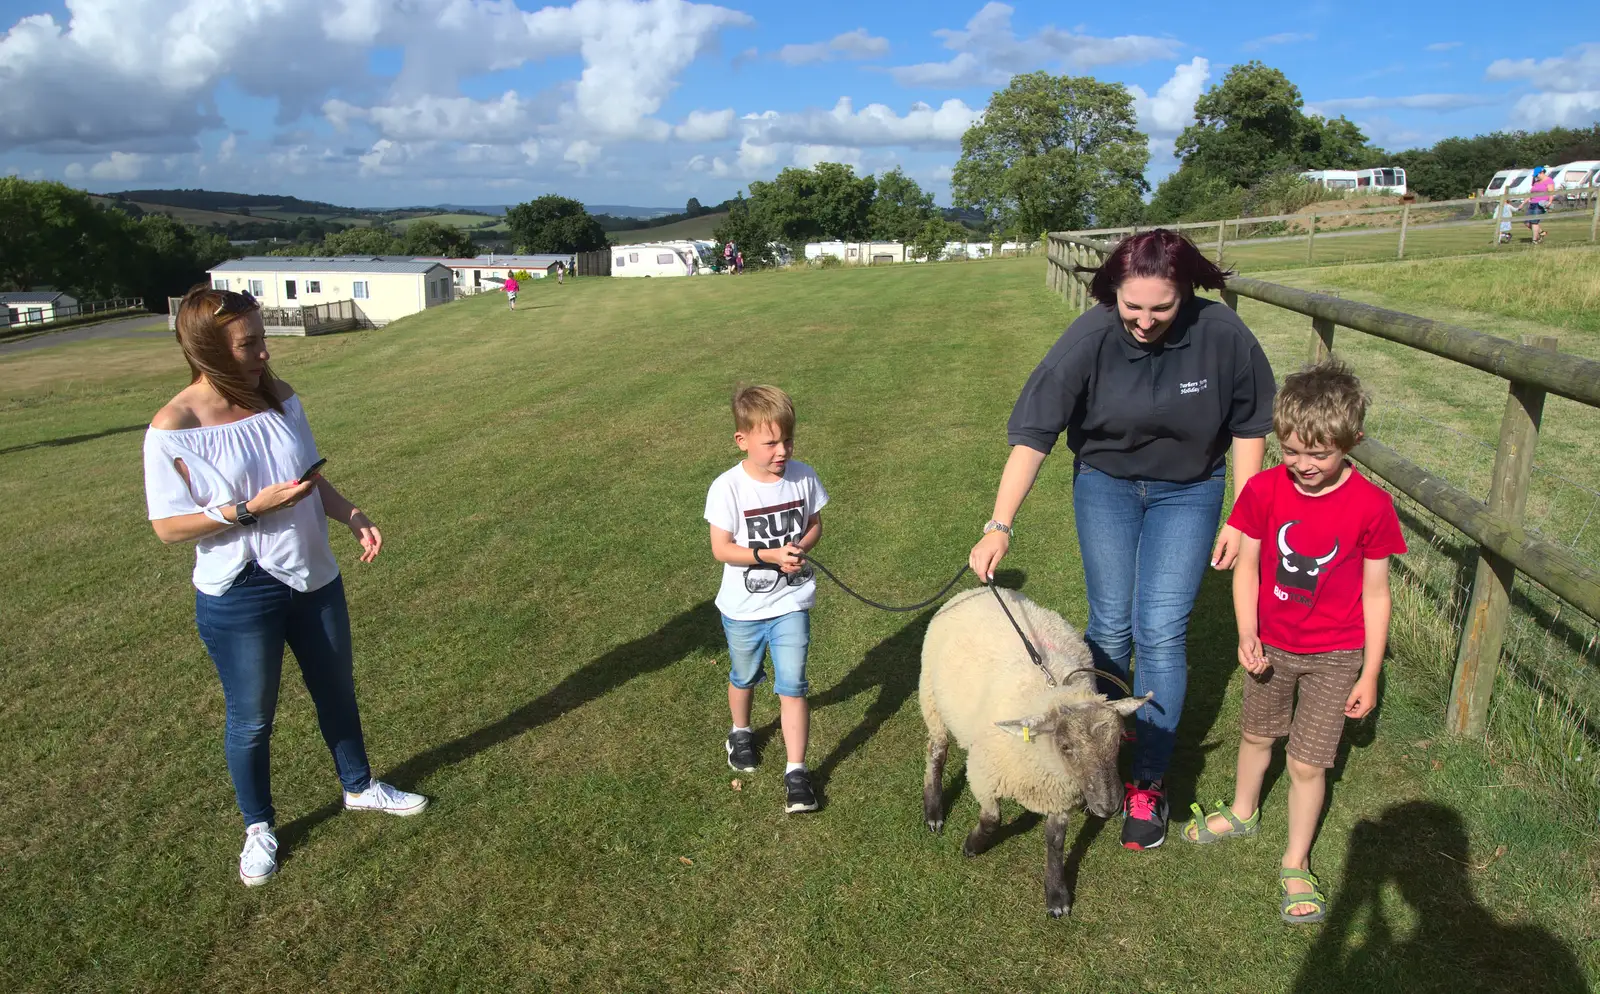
x=178 y=414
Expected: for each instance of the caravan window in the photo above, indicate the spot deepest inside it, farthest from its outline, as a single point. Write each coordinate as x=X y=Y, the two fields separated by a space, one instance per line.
x=665 y=259
x=256 y=289
x=358 y=289
x=633 y=257
x=619 y=262
x=313 y=286
x=219 y=284
x=1497 y=182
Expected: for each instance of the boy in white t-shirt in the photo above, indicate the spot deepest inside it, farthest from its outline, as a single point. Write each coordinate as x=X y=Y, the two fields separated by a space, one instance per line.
x=764 y=516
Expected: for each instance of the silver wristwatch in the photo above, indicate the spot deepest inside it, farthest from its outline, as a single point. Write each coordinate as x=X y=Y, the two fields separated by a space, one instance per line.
x=995 y=526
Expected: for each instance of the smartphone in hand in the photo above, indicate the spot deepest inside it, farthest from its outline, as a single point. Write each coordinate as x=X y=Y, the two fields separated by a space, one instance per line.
x=312 y=470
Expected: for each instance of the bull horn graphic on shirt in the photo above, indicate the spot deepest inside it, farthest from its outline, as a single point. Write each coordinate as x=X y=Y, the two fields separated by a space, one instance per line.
x=1297 y=570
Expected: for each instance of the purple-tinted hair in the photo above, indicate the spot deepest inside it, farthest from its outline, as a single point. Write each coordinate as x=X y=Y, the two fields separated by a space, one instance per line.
x=1161 y=253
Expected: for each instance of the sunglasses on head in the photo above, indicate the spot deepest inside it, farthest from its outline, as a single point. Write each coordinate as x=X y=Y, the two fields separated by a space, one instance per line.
x=232 y=302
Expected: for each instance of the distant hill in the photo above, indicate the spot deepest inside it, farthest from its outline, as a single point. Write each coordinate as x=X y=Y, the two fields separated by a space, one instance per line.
x=691 y=228
x=213 y=200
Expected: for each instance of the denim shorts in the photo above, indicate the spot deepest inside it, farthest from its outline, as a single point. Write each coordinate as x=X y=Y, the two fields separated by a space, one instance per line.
x=786 y=637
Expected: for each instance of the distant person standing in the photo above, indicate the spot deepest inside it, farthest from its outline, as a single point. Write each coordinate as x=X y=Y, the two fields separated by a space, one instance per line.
x=561 y=274
x=727 y=257
x=512 y=289
x=1543 y=183
x=738 y=262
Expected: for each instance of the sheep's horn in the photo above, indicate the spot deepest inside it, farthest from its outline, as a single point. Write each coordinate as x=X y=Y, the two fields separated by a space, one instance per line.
x=1110 y=678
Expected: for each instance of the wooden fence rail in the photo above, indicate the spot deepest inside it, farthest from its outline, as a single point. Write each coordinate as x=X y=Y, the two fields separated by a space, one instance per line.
x=1533 y=368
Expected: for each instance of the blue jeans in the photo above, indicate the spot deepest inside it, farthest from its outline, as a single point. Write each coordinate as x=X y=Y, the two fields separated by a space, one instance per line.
x=787 y=637
x=245 y=630
x=1146 y=545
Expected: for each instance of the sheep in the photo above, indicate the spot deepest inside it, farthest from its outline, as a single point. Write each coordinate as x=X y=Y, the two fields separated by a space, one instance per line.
x=1052 y=749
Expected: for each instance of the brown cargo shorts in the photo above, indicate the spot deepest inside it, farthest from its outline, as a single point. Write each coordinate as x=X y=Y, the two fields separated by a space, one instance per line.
x=1325 y=680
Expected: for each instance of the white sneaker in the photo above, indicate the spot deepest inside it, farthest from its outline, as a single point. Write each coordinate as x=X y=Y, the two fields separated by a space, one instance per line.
x=379 y=796
x=259 y=860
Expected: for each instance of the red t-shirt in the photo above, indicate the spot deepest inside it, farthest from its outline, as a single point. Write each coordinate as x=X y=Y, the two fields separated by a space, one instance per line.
x=1311 y=556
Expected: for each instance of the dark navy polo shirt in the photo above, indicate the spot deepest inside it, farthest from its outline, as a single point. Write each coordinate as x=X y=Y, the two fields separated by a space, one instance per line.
x=1166 y=411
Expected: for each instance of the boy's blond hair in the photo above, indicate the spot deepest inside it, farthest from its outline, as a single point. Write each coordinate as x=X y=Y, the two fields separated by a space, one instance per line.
x=761 y=405
x=1323 y=404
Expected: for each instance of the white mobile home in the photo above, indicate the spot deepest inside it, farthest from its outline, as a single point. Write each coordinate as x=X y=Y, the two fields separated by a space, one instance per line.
x=37 y=306
x=383 y=288
x=857 y=253
x=489 y=272
x=653 y=259
x=1380 y=179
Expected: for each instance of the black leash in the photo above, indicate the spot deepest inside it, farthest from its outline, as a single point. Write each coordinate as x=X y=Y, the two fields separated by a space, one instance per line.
x=1033 y=653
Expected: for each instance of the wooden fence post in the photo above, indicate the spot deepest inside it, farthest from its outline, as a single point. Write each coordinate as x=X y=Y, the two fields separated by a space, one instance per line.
x=1478 y=659
x=1494 y=226
x=1594 y=202
x=1231 y=299
x=1405 y=221
x=1321 y=339
x=1311 y=240
x=1222 y=236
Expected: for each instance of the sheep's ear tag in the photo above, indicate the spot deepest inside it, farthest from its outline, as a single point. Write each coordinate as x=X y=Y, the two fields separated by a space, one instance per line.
x=1026 y=729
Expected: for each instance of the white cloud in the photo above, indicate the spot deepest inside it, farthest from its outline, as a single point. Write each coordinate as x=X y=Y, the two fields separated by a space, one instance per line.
x=705 y=125
x=806 y=156
x=1172 y=108
x=1415 y=101
x=857 y=44
x=137 y=74
x=1569 y=87
x=1282 y=38
x=118 y=167
x=1443 y=46
x=581 y=153
x=874 y=124
x=989 y=52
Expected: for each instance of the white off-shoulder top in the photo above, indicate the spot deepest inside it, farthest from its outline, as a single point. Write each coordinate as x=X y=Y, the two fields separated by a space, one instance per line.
x=230 y=463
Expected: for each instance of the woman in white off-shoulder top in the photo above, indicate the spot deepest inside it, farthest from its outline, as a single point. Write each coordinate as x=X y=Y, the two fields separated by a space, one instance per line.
x=230 y=464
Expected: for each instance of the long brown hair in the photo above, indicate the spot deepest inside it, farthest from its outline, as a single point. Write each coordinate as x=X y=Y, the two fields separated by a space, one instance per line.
x=203 y=335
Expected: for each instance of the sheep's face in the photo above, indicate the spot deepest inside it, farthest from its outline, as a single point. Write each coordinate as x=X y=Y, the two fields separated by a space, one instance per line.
x=1088 y=736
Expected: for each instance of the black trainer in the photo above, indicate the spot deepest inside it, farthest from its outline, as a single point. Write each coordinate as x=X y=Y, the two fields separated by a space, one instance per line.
x=1144 y=815
x=801 y=796
x=742 y=751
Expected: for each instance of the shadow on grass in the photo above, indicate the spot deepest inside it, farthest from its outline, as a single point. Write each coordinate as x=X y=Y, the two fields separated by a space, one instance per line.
x=700 y=627
x=72 y=439
x=1421 y=849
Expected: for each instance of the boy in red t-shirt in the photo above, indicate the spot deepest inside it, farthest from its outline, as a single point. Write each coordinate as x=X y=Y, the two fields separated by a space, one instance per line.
x=1316 y=617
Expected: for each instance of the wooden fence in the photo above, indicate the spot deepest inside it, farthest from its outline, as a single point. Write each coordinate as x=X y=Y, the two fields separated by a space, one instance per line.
x=1206 y=233
x=1532 y=368
x=596 y=263
x=68 y=312
x=310 y=319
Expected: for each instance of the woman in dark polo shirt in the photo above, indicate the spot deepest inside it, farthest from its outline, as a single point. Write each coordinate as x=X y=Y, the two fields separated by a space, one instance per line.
x=1151 y=389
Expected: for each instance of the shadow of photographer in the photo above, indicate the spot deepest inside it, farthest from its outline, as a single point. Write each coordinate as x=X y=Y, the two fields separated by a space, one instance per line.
x=1457 y=946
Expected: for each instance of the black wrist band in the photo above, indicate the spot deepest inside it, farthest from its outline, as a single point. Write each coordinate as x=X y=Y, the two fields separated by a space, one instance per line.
x=756 y=551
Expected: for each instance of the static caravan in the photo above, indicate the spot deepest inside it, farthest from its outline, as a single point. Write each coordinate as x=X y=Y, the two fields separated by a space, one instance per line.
x=653 y=259
x=37 y=306
x=489 y=272
x=383 y=289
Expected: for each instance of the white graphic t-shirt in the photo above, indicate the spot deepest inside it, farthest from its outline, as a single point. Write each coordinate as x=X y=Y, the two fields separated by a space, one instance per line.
x=765 y=516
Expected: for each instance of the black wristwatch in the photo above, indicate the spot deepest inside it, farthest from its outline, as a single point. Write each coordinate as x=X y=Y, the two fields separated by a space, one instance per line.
x=242 y=515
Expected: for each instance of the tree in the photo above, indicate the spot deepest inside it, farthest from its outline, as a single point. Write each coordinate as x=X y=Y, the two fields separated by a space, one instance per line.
x=693 y=208
x=432 y=238
x=1246 y=126
x=749 y=230
x=901 y=209
x=375 y=240
x=51 y=234
x=1335 y=144
x=554 y=224
x=827 y=201
x=1053 y=152
x=929 y=241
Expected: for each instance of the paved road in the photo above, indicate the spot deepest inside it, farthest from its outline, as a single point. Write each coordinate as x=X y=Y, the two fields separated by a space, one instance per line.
x=145 y=326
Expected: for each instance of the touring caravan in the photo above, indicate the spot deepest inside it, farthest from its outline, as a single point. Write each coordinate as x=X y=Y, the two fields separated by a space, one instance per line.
x=1380 y=179
x=1579 y=179
x=1510 y=183
x=653 y=259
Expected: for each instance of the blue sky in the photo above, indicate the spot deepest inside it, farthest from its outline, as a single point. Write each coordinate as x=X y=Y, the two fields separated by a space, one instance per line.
x=648 y=102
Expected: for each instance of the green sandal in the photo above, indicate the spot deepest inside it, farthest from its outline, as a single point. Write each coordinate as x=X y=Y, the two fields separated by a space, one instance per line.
x=1236 y=829
x=1312 y=897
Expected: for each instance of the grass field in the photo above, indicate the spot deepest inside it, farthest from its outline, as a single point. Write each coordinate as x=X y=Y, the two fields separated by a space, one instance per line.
x=1381 y=245
x=537 y=651
x=694 y=228
x=448 y=220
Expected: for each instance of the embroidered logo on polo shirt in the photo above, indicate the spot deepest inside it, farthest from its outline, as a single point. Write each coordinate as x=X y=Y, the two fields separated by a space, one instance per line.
x=1193 y=386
